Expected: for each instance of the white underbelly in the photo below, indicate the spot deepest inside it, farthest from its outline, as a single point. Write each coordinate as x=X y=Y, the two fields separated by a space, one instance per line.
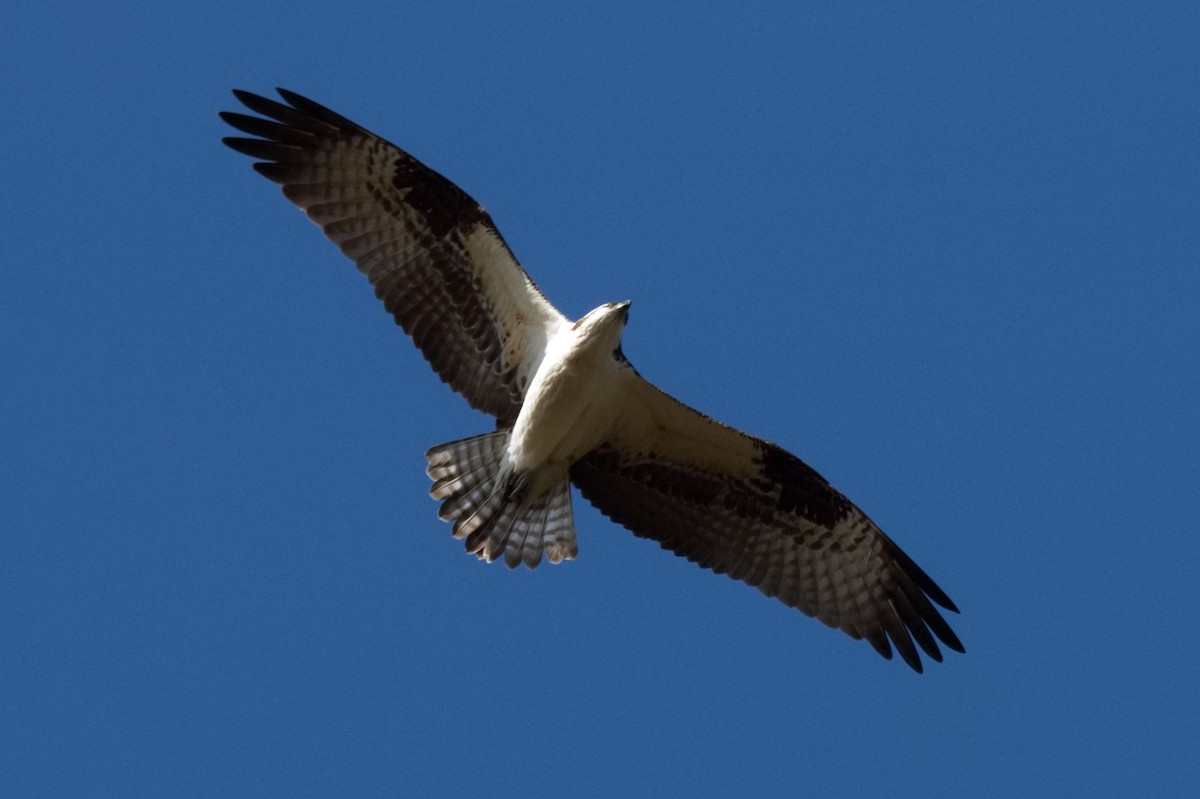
x=569 y=410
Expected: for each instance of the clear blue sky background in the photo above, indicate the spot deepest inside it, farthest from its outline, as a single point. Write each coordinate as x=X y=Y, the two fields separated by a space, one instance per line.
x=946 y=253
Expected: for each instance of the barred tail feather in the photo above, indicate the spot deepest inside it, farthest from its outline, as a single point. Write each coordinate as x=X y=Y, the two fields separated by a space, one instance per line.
x=491 y=510
x=546 y=526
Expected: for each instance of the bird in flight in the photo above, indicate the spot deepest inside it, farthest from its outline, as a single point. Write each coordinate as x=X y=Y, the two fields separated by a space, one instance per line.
x=570 y=408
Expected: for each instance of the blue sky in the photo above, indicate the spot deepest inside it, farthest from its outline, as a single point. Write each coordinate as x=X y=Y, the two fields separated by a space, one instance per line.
x=947 y=255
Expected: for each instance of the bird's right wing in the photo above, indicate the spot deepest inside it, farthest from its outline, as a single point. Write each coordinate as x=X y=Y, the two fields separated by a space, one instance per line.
x=742 y=506
x=432 y=253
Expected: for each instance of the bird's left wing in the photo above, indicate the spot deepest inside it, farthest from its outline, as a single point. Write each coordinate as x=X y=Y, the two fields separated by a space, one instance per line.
x=742 y=506
x=432 y=253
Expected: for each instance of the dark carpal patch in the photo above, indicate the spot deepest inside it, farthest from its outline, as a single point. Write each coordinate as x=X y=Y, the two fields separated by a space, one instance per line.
x=802 y=489
x=443 y=205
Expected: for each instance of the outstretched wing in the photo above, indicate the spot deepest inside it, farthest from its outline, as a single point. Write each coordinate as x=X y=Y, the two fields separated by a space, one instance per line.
x=432 y=253
x=744 y=507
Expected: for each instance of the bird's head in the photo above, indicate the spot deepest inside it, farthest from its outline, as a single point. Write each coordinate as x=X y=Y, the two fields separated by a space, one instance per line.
x=602 y=327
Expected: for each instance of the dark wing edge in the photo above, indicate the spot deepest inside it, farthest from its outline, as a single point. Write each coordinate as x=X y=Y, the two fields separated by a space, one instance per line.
x=431 y=252
x=746 y=508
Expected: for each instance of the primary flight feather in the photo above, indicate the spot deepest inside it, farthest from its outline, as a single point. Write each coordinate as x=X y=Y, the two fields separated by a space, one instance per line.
x=569 y=406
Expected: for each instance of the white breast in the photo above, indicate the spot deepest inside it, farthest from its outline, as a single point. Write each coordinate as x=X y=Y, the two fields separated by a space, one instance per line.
x=569 y=409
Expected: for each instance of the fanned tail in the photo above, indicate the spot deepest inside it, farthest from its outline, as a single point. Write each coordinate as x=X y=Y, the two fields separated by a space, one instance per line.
x=490 y=507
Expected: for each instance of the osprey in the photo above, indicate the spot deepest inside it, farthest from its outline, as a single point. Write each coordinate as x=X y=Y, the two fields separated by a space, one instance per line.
x=570 y=408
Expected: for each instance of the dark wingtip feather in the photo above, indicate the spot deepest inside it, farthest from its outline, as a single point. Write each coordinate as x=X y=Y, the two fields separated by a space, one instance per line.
x=261 y=148
x=289 y=131
x=317 y=111
x=951 y=640
x=232 y=117
x=943 y=600
x=276 y=173
x=903 y=643
x=242 y=96
x=287 y=122
x=880 y=642
x=918 y=576
x=916 y=624
x=931 y=589
x=262 y=105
